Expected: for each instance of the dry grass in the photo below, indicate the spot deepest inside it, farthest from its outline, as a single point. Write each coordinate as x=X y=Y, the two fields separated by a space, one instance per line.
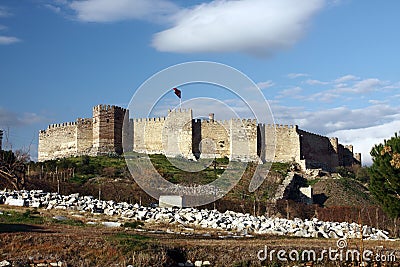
x=83 y=245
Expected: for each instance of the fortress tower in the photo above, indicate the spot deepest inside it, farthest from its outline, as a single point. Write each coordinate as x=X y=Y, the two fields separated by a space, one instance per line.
x=107 y=129
x=1 y=139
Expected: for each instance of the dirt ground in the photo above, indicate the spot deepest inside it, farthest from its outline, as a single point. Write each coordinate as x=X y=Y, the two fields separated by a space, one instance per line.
x=80 y=244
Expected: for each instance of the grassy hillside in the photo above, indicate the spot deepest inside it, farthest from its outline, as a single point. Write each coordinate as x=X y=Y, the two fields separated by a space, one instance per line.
x=341 y=192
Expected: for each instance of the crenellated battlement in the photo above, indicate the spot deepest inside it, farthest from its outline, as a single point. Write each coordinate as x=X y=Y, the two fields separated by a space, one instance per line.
x=243 y=121
x=78 y=121
x=282 y=126
x=313 y=134
x=108 y=108
x=179 y=110
x=178 y=134
x=61 y=125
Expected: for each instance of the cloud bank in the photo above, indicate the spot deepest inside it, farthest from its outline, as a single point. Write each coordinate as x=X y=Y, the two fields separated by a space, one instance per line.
x=251 y=26
x=259 y=27
x=364 y=139
x=6 y=40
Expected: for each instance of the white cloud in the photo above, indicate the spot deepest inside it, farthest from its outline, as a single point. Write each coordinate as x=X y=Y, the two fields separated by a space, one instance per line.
x=363 y=86
x=117 y=10
x=290 y=92
x=10 y=118
x=364 y=139
x=5 y=40
x=265 y=85
x=53 y=8
x=2 y=27
x=252 y=26
x=296 y=75
x=346 y=78
x=336 y=119
x=4 y=12
x=323 y=96
x=315 y=82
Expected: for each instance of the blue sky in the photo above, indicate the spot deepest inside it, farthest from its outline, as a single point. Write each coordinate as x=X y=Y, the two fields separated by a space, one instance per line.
x=330 y=66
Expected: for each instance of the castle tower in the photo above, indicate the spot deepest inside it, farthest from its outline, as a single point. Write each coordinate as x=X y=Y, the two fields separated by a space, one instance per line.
x=211 y=117
x=1 y=139
x=107 y=129
x=334 y=143
x=357 y=158
x=177 y=133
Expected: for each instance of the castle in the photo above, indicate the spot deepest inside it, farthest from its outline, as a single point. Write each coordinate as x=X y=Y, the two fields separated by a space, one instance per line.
x=179 y=135
x=1 y=139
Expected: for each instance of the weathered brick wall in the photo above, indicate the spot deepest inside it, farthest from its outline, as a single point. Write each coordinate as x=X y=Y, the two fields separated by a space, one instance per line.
x=107 y=129
x=347 y=157
x=171 y=135
x=318 y=151
x=285 y=140
x=84 y=136
x=153 y=134
x=177 y=133
x=243 y=139
x=1 y=139
x=57 y=141
x=211 y=138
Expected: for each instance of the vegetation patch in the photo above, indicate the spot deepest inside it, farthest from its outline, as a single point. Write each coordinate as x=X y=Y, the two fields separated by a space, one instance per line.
x=15 y=217
x=131 y=242
x=134 y=224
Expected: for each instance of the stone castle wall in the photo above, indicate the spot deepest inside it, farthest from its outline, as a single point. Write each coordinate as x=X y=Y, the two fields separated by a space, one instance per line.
x=101 y=134
x=58 y=141
x=179 y=135
x=210 y=138
x=171 y=135
x=1 y=140
x=107 y=129
x=84 y=136
x=287 y=142
x=318 y=151
x=243 y=139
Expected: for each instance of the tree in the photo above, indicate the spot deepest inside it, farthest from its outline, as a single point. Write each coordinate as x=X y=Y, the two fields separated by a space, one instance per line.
x=13 y=167
x=385 y=175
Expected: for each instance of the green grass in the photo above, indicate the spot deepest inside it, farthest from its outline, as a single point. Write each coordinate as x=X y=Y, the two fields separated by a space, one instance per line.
x=175 y=175
x=129 y=243
x=280 y=167
x=134 y=224
x=72 y=222
x=313 y=182
x=15 y=217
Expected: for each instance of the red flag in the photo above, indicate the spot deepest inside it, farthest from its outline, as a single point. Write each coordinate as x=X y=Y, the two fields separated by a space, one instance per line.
x=177 y=92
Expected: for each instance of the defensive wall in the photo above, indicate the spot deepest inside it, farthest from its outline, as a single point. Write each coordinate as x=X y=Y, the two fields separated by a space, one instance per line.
x=101 y=134
x=180 y=135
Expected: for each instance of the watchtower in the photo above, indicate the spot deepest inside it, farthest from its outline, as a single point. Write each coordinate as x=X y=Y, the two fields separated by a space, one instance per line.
x=107 y=129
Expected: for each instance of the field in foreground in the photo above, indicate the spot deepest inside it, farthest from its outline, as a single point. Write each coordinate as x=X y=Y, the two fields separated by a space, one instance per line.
x=28 y=236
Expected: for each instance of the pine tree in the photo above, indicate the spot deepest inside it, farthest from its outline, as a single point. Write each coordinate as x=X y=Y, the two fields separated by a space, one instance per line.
x=385 y=175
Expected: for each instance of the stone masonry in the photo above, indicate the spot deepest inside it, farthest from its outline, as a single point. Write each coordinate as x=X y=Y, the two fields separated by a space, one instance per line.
x=179 y=135
x=1 y=139
x=99 y=135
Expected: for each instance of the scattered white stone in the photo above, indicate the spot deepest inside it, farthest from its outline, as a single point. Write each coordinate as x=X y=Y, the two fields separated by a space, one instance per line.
x=4 y=263
x=242 y=224
x=111 y=224
x=60 y=218
x=19 y=202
